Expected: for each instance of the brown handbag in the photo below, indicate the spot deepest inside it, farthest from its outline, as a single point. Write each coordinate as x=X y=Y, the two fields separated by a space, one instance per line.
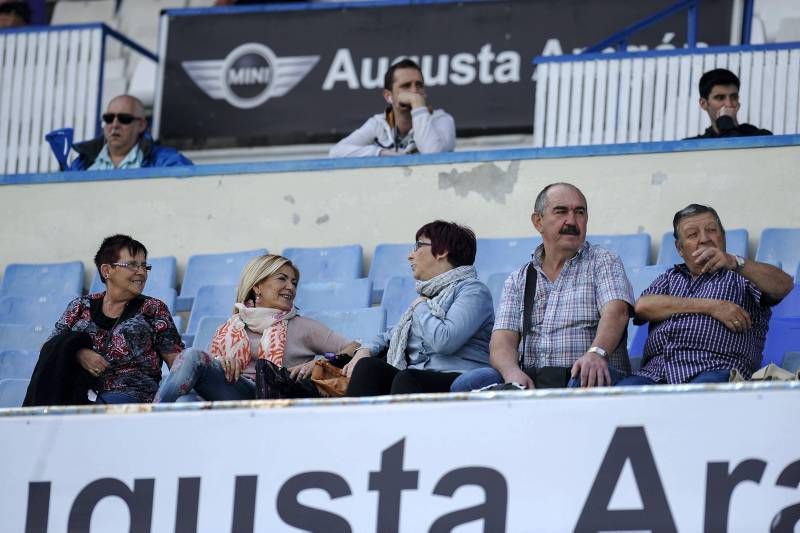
x=329 y=379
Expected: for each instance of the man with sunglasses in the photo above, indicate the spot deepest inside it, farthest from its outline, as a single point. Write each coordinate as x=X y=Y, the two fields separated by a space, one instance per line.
x=407 y=126
x=125 y=142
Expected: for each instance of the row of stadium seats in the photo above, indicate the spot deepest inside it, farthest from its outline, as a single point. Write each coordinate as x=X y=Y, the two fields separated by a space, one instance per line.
x=325 y=264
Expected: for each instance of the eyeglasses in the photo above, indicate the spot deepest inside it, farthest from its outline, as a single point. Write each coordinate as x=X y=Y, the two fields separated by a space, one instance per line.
x=419 y=244
x=133 y=266
x=123 y=118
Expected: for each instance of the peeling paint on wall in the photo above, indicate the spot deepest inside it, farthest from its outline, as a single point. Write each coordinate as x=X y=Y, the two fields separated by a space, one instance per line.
x=487 y=179
x=295 y=219
x=322 y=219
x=407 y=171
x=289 y=198
x=658 y=178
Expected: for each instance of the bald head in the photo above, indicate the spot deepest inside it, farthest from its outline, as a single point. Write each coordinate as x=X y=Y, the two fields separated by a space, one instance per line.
x=542 y=199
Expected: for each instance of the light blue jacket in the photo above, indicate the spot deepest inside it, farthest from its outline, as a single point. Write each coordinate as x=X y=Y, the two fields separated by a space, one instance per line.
x=457 y=343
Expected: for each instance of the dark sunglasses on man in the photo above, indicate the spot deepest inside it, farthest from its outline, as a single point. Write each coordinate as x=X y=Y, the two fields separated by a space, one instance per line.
x=123 y=118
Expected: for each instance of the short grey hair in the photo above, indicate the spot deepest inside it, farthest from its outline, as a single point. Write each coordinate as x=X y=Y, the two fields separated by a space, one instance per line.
x=693 y=210
x=541 y=199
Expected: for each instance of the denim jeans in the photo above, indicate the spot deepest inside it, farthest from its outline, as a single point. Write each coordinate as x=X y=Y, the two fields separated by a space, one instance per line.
x=483 y=377
x=709 y=376
x=196 y=369
x=111 y=397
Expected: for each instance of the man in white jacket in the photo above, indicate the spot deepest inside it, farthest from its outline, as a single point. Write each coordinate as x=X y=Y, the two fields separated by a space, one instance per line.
x=408 y=126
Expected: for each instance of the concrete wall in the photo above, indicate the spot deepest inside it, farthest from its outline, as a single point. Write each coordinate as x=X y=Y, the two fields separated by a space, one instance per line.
x=45 y=219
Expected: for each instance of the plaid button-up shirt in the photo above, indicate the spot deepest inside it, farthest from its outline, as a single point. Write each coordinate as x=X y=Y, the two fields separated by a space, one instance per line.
x=566 y=311
x=686 y=344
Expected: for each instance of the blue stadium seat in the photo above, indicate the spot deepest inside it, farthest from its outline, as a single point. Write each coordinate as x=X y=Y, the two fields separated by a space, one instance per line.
x=495 y=283
x=329 y=296
x=355 y=324
x=633 y=249
x=735 y=243
x=336 y=263
x=163 y=275
x=790 y=305
x=206 y=328
x=168 y=295
x=43 y=310
x=12 y=392
x=503 y=255
x=17 y=364
x=783 y=336
x=641 y=277
x=791 y=361
x=212 y=269
x=178 y=321
x=388 y=260
x=780 y=245
x=639 y=338
x=43 y=279
x=211 y=300
x=23 y=337
x=399 y=293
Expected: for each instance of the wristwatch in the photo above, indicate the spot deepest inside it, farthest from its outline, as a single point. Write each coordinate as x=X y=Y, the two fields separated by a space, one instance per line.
x=599 y=351
x=739 y=263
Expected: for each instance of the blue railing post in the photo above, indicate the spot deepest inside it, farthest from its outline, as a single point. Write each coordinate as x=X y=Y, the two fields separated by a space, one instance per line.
x=747 y=21
x=691 y=26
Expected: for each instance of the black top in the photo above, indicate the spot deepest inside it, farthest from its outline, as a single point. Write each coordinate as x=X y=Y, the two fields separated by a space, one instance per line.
x=727 y=128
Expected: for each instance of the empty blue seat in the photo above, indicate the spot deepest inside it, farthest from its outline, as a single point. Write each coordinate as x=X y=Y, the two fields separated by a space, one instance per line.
x=503 y=255
x=329 y=296
x=206 y=328
x=43 y=279
x=791 y=361
x=23 y=336
x=163 y=275
x=17 y=363
x=399 y=293
x=211 y=300
x=790 y=305
x=641 y=277
x=336 y=263
x=355 y=324
x=388 y=260
x=783 y=336
x=12 y=392
x=42 y=310
x=636 y=348
x=735 y=243
x=780 y=245
x=212 y=269
x=633 y=249
x=495 y=283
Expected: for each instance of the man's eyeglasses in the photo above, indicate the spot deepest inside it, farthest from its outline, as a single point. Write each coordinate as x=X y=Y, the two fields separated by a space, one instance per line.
x=419 y=244
x=133 y=266
x=123 y=118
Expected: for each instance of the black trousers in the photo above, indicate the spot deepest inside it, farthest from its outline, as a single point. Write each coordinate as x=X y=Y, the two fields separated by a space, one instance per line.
x=375 y=377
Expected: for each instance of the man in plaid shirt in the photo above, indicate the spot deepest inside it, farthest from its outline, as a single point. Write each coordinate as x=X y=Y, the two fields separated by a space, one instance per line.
x=582 y=304
x=710 y=314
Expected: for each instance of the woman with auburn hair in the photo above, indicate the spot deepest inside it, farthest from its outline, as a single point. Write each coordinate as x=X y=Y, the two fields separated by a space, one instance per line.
x=264 y=325
x=446 y=329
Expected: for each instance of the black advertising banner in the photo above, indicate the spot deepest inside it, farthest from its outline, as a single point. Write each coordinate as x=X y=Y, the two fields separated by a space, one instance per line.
x=263 y=75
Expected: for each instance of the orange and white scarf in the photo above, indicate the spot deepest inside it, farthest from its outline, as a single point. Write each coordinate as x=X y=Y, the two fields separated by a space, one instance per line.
x=231 y=338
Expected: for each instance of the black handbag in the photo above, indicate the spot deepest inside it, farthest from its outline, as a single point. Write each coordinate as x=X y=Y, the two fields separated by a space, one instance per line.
x=273 y=382
x=546 y=377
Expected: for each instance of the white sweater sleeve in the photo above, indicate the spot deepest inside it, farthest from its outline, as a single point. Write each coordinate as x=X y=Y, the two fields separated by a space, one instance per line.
x=433 y=132
x=360 y=143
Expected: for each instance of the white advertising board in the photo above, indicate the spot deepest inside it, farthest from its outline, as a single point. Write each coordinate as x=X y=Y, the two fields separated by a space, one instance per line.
x=663 y=459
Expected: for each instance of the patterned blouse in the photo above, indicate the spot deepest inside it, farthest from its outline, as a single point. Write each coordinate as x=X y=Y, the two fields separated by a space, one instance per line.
x=133 y=344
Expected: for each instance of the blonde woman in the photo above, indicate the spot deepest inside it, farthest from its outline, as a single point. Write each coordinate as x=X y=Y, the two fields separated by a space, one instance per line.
x=264 y=324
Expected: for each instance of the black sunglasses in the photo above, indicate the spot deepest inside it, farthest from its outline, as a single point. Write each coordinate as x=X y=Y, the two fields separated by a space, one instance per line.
x=123 y=118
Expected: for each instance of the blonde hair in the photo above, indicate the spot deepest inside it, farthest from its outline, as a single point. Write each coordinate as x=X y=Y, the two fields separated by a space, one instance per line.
x=256 y=271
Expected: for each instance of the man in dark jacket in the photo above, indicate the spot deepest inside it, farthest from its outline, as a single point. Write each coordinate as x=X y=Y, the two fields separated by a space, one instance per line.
x=719 y=97
x=125 y=143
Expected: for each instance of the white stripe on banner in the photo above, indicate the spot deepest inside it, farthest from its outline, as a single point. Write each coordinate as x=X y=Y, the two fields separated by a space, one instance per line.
x=690 y=458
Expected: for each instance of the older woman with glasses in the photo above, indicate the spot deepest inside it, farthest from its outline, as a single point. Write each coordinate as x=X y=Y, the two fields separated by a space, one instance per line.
x=119 y=337
x=264 y=325
x=446 y=329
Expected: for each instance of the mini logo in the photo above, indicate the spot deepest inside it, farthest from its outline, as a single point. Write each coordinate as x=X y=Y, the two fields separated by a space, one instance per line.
x=250 y=75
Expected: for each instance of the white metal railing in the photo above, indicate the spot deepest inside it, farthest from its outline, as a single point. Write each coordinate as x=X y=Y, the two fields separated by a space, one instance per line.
x=630 y=97
x=50 y=78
